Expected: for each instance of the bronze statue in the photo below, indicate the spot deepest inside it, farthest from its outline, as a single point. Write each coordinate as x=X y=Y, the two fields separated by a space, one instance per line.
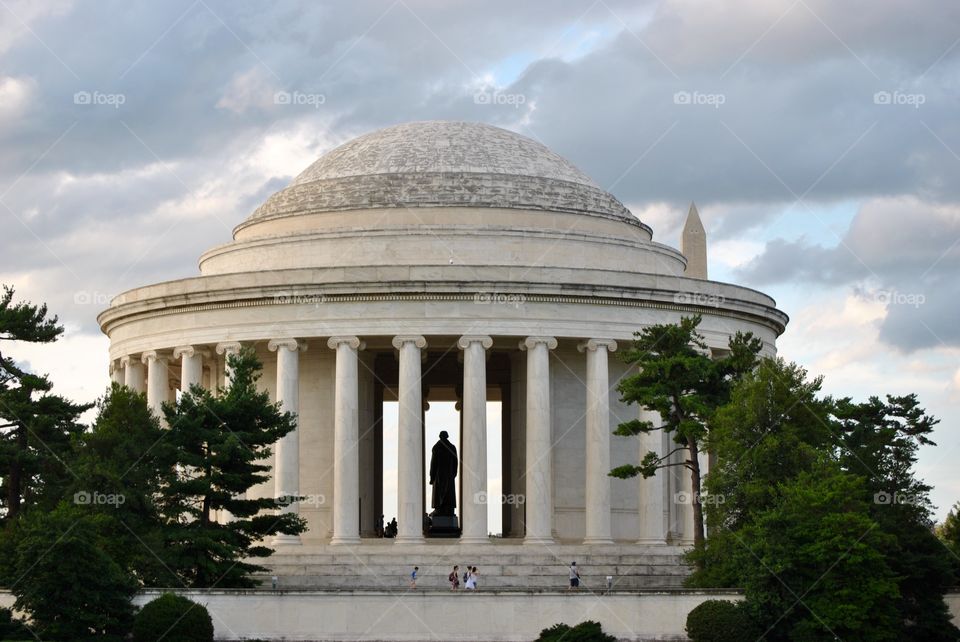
x=443 y=475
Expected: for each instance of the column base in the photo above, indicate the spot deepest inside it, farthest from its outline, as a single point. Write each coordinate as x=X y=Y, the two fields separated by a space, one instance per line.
x=286 y=540
x=541 y=541
x=598 y=541
x=645 y=541
x=409 y=539
x=344 y=541
x=473 y=540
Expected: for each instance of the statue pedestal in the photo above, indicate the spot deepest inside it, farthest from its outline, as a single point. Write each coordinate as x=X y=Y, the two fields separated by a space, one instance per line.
x=444 y=526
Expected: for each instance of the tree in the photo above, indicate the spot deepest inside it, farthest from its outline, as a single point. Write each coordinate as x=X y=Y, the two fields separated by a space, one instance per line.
x=802 y=523
x=677 y=378
x=774 y=427
x=66 y=582
x=813 y=566
x=220 y=440
x=121 y=465
x=879 y=441
x=35 y=426
x=949 y=533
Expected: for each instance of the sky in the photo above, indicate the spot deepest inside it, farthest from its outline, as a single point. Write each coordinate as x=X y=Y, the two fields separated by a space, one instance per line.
x=819 y=139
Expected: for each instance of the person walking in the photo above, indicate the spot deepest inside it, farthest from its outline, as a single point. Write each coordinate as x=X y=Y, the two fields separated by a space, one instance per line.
x=413 y=577
x=471 y=583
x=574 y=577
x=454 y=578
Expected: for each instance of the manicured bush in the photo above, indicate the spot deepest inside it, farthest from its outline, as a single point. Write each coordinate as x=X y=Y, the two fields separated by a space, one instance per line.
x=173 y=618
x=720 y=621
x=588 y=631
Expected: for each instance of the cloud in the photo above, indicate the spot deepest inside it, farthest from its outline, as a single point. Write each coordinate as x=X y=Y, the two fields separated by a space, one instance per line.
x=902 y=252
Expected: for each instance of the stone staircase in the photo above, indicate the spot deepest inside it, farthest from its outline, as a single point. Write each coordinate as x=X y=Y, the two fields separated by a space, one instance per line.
x=380 y=565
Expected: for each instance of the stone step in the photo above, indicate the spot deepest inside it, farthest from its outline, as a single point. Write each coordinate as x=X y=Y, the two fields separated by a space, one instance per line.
x=631 y=582
x=341 y=570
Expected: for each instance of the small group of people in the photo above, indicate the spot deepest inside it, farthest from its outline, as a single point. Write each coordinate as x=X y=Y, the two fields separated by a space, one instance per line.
x=388 y=530
x=470 y=578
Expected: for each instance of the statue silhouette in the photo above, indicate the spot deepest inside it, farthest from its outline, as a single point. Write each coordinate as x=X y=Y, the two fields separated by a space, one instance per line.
x=443 y=475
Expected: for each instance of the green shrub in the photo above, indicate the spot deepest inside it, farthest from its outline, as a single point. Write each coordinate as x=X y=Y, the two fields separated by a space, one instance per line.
x=588 y=631
x=720 y=621
x=172 y=618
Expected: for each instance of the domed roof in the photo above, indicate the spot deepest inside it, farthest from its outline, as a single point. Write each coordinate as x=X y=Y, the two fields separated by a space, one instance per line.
x=441 y=164
x=443 y=146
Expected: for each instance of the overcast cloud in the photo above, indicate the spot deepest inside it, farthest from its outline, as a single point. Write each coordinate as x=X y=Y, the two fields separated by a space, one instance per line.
x=819 y=139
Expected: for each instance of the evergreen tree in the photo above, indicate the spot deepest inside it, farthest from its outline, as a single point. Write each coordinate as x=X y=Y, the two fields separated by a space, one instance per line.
x=35 y=425
x=774 y=428
x=677 y=378
x=121 y=466
x=220 y=441
x=879 y=441
x=70 y=588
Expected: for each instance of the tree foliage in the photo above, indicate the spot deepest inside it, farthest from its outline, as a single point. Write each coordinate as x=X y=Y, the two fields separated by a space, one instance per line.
x=677 y=378
x=121 y=465
x=35 y=426
x=879 y=440
x=220 y=441
x=801 y=523
x=66 y=582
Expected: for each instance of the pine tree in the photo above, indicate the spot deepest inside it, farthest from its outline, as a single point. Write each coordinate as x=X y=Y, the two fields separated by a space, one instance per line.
x=677 y=378
x=219 y=441
x=36 y=426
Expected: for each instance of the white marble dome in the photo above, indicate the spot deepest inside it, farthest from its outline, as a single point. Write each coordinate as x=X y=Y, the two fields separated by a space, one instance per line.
x=437 y=164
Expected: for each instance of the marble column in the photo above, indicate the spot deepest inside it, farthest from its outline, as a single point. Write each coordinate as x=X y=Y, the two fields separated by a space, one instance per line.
x=410 y=442
x=473 y=472
x=346 y=433
x=539 y=473
x=133 y=374
x=598 y=441
x=654 y=505
x=191 y=366
x=286 y=470
x=158 y=381
x=228 y=348
x=116 y=372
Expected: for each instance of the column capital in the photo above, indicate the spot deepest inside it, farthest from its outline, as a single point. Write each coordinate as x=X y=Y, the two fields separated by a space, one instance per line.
x=416 y=339
x=152 y=355
x=189 y=351
x=228 y=347
x=594 y=344
x=128 y=359
x=290 y=344
x=464 y=342
x=530 y=342
x=354 y=342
